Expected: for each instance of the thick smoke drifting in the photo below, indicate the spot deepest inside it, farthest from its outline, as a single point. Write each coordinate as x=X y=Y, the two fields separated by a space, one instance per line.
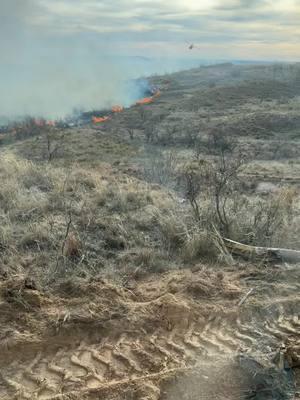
x=49 y=74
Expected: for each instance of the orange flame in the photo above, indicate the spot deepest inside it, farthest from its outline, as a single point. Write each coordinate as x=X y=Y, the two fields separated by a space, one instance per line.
x=117 y=109
x=98 y=120
x=146 y=100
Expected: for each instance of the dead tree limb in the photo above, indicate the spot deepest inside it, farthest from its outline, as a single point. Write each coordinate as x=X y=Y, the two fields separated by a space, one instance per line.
x=244 y=298
x=269 y=254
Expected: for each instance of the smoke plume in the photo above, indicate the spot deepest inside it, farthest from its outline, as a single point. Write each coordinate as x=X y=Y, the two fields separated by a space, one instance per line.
x=45 y=73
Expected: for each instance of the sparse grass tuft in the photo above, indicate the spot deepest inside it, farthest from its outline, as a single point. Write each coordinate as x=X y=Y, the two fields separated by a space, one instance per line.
x=173 y=230
x=6 y=233
x=36 y=238
x=199 y=245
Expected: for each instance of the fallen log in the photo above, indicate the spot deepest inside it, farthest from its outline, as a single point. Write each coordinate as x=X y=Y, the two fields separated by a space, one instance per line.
x=268 y=254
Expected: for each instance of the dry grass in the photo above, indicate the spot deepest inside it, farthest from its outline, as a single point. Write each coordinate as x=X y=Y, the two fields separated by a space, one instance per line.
x=183 y=236
x=199 y=245
x=173 y=229
x=6 y=232
x=271 y=221
x=73 y=222
x=36 y=238
x=94 y=209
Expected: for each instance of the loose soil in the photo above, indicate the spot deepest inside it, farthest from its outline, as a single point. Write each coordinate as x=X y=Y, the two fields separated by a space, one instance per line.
x=180 y=335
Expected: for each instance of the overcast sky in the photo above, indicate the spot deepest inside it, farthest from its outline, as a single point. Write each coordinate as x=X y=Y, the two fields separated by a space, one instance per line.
x=60 y=54
x=245 y=29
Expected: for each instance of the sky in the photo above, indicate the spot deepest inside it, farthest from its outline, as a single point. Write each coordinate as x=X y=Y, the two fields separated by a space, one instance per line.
x=248 y=29
x=52 y=49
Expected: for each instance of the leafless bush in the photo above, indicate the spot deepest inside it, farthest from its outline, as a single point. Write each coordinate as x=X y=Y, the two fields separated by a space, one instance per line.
x=175 y=130
x=224 y=181
x=166 y=135
x=28 y=128
x=160 y=167
x=190 y=180
x=217 y=179
x=214 y=192
x=265 y=222
x=150 y=131
x=54 y=144
x=143 y=114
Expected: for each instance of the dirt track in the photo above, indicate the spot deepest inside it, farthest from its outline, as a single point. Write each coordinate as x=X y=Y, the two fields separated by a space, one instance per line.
x=103 y=341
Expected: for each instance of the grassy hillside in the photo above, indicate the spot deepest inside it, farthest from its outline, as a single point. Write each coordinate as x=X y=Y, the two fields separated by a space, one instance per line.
x=114 y=280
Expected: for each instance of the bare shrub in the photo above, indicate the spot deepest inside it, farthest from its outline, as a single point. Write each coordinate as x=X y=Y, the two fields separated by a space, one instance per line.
x=214 y=191
x=217 y=179
x=29 y=128
x=191 y=184
x=54 y=141
x=166 y=135
x=150 y=131
x=160 y=167
x=180 y=128
x=265 y=222
x=224 y=182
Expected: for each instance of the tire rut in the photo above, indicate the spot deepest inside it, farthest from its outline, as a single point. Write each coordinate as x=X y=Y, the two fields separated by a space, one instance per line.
x=73 y=369
x=87 y=363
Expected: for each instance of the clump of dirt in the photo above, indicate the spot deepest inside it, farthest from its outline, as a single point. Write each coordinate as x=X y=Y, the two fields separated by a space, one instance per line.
x=201 y=283
x=173 y=312
x=22 y=292
x=212 y=285
x=73 y=287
